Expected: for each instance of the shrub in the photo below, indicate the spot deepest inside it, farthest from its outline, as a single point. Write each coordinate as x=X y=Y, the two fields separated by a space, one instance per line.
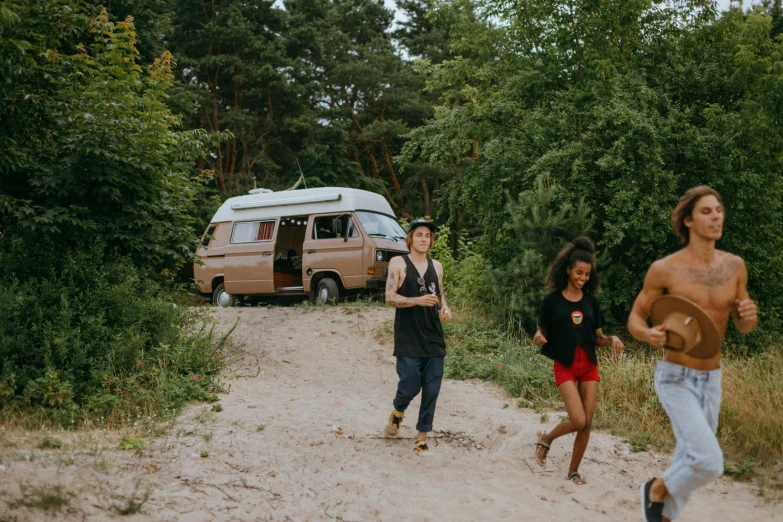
x=86 y=332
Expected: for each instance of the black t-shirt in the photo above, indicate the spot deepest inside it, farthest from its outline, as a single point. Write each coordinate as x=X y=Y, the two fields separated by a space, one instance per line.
x=568 y=324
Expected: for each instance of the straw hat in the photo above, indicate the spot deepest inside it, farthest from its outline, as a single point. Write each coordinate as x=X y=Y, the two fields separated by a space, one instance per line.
x=688 y=328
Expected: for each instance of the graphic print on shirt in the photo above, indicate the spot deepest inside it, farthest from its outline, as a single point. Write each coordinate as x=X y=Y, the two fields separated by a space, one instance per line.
x=577 y=317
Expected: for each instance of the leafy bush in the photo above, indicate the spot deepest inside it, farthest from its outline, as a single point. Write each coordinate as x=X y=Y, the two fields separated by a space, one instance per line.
x=88 y=333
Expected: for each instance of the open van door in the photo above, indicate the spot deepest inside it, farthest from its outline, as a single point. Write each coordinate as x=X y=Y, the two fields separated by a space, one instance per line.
x=249 y=260
x=333 y=242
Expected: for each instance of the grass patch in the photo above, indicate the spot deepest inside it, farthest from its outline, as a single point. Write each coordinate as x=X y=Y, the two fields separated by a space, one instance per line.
x=205 y=417
x=133 y=503
x=51 y=443
x=639 y=443
x=46 y=497
x=131 y=443
x=743 y=470
x=750 y=425
x=478 y=349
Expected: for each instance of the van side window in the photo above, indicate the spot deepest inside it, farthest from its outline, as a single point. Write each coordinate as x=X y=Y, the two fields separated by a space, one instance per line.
x=208 y=236
x=252 y=231
x=330 y=227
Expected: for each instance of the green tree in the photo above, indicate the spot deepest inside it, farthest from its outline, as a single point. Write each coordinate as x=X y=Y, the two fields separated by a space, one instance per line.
x=96 y=188
x=626 y=105
x=237 y=73
x=91 y=148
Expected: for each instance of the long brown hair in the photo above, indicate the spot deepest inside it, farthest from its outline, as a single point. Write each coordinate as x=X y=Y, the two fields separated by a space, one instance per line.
x=409 y=238
x=684 y=209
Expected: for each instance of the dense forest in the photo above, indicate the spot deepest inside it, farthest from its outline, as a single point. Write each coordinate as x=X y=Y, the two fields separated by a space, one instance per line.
x=515 y=124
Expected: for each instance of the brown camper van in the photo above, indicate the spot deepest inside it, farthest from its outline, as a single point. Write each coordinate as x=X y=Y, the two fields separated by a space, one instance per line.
x=321 y=242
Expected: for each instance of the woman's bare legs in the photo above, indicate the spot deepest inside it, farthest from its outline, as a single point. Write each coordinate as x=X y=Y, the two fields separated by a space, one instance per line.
x=580 y=404
x=587 y=392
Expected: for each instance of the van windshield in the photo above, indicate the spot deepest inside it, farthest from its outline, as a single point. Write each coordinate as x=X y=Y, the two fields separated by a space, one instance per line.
x=380 y=225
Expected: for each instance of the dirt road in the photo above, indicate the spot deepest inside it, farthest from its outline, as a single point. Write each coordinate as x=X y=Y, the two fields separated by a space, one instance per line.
x=299 y=438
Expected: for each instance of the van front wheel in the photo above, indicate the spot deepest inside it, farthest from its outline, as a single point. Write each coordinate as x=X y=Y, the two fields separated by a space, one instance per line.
x=328 y=293
x=223 y=299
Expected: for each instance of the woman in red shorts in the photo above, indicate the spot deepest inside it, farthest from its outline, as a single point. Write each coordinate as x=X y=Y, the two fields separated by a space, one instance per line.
x=569 y=329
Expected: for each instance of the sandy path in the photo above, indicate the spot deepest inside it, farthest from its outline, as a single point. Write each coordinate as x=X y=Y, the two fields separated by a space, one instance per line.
x=273 y=454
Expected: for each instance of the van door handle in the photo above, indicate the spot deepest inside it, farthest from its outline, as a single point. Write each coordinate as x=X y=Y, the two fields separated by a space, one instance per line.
x=311 y=251
x=266 y=253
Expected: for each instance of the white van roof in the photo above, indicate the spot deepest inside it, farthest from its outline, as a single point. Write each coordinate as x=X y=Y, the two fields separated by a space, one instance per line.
x=300 y=202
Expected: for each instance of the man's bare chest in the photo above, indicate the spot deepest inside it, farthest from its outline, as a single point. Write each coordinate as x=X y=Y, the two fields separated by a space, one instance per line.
x=713 y=289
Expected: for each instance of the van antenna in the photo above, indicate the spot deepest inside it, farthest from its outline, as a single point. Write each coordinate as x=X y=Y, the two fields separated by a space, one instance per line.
x=301 y=174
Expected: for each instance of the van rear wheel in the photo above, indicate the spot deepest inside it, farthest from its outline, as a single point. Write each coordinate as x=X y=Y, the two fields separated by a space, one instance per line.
x=223 y=299
x=328 y=293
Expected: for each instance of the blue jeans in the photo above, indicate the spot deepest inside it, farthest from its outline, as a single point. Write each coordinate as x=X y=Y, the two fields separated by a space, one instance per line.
x=691 y=398
x=419 y=374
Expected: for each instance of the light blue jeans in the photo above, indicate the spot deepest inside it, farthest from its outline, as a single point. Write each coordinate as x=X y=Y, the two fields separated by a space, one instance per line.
x=691 y=398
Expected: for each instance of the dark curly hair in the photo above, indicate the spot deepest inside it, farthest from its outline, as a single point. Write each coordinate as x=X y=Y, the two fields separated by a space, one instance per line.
x=580 y=249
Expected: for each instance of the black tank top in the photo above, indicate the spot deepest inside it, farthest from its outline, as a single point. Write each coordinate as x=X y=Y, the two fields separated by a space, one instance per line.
x=417 y=330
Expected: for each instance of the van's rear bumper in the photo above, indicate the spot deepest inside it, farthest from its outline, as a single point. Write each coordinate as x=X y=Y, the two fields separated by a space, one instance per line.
x=375 y=284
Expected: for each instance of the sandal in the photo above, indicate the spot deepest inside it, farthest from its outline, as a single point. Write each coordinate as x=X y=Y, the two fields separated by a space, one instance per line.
x=576 y=478
x=541 y=461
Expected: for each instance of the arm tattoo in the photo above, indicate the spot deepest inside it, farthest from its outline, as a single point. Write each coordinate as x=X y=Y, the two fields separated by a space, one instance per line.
x=393 y=298
x=391 y=283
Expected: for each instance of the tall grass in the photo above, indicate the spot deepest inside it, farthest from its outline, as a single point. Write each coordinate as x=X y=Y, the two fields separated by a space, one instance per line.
x=751 y=421
x=751 y=418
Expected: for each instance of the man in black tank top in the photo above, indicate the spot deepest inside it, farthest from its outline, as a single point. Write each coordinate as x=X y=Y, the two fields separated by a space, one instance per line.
x=414 y=288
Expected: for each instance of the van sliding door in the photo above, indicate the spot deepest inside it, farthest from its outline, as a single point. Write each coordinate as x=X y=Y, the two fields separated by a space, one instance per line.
x=248 y=259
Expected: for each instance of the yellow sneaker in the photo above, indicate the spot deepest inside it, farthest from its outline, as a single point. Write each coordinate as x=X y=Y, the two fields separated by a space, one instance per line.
x=390 y=430
x=421 y=449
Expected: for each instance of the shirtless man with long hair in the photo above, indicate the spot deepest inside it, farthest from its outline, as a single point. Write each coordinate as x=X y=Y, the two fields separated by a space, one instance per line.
x=688 y=388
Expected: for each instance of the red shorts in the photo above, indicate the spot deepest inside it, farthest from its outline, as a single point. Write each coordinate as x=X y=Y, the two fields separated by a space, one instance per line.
x=582 y=370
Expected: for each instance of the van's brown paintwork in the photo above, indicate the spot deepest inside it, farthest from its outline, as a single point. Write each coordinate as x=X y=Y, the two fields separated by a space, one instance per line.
x=249 y=267
x=212 y=257
x=343 y=255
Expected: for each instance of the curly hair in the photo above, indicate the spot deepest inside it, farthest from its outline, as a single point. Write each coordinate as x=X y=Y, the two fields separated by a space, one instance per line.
x=580 y=249
x=684 y=209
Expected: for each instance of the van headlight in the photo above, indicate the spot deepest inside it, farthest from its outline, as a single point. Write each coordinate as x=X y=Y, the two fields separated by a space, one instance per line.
x=379 y=255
